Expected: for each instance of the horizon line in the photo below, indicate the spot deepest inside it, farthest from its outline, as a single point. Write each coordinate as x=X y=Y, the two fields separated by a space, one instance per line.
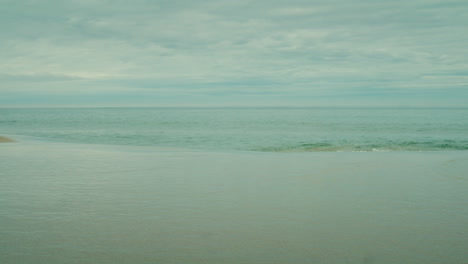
x=238 y=106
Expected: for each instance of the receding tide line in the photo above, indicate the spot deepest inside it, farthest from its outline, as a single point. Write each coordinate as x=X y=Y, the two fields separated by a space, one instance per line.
x=5 y=140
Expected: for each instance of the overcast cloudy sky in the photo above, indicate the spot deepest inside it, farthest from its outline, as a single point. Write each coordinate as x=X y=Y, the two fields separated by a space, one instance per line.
x=217 y=52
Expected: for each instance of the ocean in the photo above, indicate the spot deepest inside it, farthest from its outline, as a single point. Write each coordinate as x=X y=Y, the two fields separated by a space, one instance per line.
x=234 y=185
x=249 y=129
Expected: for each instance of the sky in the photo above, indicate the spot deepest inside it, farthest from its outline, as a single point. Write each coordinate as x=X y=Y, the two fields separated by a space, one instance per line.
x=234 y=53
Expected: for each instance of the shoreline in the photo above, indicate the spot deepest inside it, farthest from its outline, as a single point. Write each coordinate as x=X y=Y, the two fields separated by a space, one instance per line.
x=230 y=203
x=6 y=140
x=122 y=147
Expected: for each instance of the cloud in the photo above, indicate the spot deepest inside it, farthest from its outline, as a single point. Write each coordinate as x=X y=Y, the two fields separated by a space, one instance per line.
x=178 y=49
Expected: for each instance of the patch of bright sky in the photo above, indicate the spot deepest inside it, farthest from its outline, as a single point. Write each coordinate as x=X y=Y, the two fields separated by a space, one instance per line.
x=212 y=52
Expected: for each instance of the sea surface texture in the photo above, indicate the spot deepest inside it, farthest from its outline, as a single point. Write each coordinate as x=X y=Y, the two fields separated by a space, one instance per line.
x=253 y=129
x=230 y=186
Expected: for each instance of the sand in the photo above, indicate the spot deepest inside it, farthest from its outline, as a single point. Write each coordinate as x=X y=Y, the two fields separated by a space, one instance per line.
x=5 y=140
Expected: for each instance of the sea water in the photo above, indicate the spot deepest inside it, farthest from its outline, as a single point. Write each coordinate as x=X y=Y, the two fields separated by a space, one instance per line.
x=232 y=185
x=253 y=129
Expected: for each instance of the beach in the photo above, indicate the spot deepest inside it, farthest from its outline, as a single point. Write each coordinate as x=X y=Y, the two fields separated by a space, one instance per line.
x=234 y=132
x=89 y=203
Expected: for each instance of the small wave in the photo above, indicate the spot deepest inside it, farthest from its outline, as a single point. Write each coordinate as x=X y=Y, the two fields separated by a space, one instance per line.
x=369 y=147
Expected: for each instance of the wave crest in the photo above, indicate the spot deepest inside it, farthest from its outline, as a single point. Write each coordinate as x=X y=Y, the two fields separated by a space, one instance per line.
x=440 y=145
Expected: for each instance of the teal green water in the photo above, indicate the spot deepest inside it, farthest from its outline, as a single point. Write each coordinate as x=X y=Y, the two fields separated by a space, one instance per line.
x=254 y=129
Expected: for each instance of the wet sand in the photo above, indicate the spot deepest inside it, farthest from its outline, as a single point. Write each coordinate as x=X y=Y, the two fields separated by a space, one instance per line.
x=73 y=203
x=5 y=140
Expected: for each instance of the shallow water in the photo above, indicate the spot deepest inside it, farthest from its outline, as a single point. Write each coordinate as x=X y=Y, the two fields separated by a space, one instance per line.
x=85 y=203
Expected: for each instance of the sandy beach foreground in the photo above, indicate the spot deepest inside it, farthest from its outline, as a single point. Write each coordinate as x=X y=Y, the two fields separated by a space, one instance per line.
x=72 y=203
x=5 y=140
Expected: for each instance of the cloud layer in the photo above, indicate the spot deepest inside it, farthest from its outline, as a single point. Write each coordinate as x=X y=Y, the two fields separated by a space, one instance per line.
x=102 y=52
